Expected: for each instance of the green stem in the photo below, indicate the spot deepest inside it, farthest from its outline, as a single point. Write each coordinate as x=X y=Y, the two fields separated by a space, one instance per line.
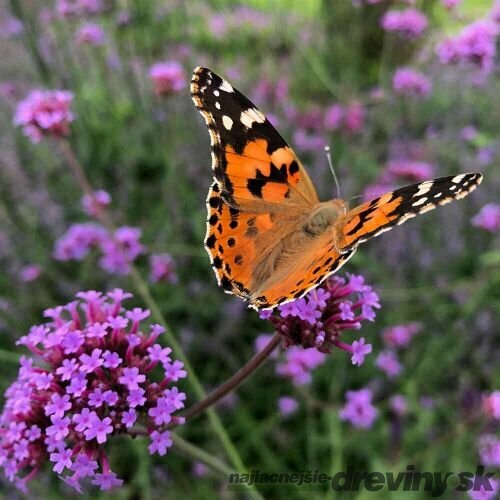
x=9 y=357
x=198 y=454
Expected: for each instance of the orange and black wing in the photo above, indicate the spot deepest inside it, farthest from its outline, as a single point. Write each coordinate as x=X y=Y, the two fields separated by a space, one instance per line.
x=381 y=214
x=251 y=162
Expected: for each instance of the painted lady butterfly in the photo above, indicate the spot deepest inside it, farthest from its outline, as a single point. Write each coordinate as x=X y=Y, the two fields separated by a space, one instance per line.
x=269 y=238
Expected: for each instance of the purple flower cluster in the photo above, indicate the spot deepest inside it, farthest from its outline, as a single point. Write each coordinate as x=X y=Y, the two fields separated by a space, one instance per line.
x=287 y=406
x=408 y=23
x=401 y=335
x=349 y=118
x=411 y=83
x=474 y=45
x=236 y=20
x=316 y=321
x=396 y=172
x=94 y=204
x=90 y=377
x=450 y=4
x=359 y=410
x=489 y=450
x=491 y=405
x=162 y=268
x=488 y=218
x=68 y=8
x=30 y=272
x=167 y=77
x=90 y=34
x=45 y=113
x=119 y=249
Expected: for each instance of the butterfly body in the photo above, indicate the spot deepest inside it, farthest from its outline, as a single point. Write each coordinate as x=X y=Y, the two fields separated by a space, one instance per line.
x=269 y=238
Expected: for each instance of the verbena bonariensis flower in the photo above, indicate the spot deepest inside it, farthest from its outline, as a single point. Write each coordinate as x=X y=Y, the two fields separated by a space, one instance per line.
x=94 y=204
x=359 y=410
x=388 y=362
x=489 y=450
x=398 y=404
x=488 y=218
x=401 y=335
x=450 y=4
x=411 y=83
x=30 y=272
x=408 y=23
x=66 y=8
x=491 y=405
x=318 y=319
x=90 y=34
x=119 y=249
x=287 y=406
x=475 y=44
x=162 y=268
x=95 y=372
x=167 y=77
x=45 y=113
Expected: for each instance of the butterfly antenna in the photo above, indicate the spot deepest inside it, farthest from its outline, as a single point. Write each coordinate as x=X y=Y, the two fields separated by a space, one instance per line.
x=332 y=170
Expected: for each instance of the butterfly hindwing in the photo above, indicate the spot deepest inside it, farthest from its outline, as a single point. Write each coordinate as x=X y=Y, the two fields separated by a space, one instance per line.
x=381 y=214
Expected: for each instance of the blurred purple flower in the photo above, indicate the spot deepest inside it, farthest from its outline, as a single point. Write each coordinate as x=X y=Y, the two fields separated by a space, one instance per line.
x=67 y=8
x=475 y=45
x=199 y=469
x=354 y=118
x=334 y=117
x=30 y=272
x=398 y=404
x=450 y=4
x=388 y=362
x=298 y=364
x=488 y=218
x=491 y=405
x=411 y=83
x=78 y=240
x=45 y=113
x=411 y=171
x=66 y=407
x=287 y=406
x=485 y=155
x=90 y=34
x=408 y=23
x=358 y=409
x=118 y=250
x=489 y=450
x=481 y=493
x=93 y=205
x=468 y=133
x=308 y=141
x=401 y=335
x=167 y=77
x=162 y=268
x=11 y=27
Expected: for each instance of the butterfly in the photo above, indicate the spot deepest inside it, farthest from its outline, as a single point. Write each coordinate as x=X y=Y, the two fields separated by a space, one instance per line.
x=269 y=238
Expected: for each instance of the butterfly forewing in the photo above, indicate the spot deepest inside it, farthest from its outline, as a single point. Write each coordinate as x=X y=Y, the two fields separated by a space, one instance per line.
x=381 y=214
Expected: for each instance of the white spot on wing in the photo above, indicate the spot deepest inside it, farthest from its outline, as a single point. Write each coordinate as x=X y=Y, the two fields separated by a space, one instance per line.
x=227 y=122
x=458 y=178
x=226 y=86
x=249 y=116
x=217 y=105
x=419 y=202
x=216 y=93
x=424 y=188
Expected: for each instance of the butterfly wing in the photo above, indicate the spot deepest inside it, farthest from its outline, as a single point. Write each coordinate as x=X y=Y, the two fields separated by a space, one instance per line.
x=252 y=163
x=381 y=214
